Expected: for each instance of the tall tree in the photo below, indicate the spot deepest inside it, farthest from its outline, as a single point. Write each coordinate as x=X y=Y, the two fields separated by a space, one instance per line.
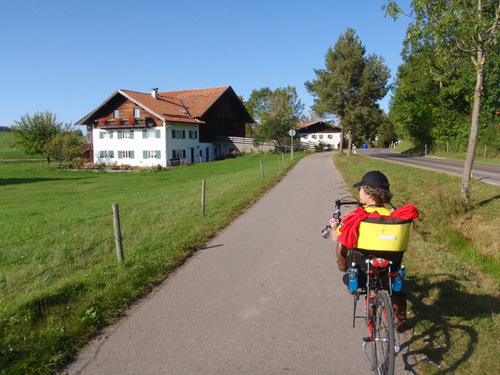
x=276 y=112
x=350 y=85
x=31 y=134
x=458 y=28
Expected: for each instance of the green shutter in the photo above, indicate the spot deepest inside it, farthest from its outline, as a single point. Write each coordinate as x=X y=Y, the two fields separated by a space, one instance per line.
x=111 y=134
x=144 y=134
x=111 y=154
x=131 y=134
x=119 y=132
x=144 y=154
x=120 y=154
x=131 y=154
x=101 y=154
x=158 y=154
x=101 y=135
x=157 y=133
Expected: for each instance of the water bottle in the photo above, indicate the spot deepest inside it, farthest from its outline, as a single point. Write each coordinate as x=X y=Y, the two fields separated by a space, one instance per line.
x=353 y=277
x=398 y=280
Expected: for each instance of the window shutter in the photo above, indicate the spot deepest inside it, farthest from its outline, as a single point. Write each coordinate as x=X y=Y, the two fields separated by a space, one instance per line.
x=157 y=133
x=111 y=154
x=144 y=134
x=158 y=154
x=101 y=135
x=183 y=134
x=119 y=132
x=111 y=134
x=131 y=153
x=131 y=134
x=101 y=154
x=184 y=154
x=120 y=155
x=144 y=154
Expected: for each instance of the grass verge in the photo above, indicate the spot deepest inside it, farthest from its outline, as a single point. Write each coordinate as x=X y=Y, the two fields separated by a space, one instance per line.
x=453 y=267
x=60 y=281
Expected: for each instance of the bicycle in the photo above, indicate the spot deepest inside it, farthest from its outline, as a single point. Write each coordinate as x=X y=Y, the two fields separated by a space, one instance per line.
x=379 y=283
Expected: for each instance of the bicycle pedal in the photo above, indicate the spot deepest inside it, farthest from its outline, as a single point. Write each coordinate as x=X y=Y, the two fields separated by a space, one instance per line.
x=366 y=339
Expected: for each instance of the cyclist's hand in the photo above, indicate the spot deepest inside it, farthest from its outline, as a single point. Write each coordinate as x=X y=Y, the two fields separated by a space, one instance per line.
x=334 y=222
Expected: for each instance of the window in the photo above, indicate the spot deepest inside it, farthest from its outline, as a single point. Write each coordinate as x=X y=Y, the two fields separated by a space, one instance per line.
x=178 y=134
x=137 y=112
x=149 y=154
x=314 y=136
x=193 y=134
x=125 y=135
x=151 y=133
x=321 y=136
x=330 y=136
x=106 y=154
x=125 y=154
x=117 y=113
x=178 y=154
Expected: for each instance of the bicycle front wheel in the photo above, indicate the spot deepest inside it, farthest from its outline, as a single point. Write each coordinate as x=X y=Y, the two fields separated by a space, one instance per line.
x=383 y=345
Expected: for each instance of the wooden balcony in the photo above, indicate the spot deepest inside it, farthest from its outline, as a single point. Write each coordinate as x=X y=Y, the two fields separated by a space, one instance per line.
x=139 y=123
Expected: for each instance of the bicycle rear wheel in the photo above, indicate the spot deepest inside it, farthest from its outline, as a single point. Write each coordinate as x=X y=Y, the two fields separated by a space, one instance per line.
x=383 y=345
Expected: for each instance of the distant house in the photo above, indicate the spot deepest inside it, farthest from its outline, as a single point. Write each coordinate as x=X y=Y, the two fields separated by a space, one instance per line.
x=316 y=133
x=165 y=128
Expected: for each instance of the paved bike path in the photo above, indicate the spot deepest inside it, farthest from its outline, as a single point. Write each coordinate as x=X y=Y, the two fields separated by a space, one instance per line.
x=263 y=297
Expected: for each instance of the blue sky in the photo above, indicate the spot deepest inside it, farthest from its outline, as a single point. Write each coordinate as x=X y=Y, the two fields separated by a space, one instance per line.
x=68 y=56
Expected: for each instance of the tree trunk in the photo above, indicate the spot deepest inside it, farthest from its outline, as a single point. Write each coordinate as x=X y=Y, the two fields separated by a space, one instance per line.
x=349 y=144
x=341 y=144
x=471 y=149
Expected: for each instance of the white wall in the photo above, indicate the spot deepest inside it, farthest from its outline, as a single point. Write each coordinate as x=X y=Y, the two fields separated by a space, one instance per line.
x=143 y=152
x=323 y=138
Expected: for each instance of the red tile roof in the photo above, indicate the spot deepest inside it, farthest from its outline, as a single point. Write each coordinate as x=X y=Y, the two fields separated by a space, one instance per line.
x=182 y=106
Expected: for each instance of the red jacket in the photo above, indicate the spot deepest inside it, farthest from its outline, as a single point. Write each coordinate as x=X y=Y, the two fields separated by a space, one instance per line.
x=350 y=223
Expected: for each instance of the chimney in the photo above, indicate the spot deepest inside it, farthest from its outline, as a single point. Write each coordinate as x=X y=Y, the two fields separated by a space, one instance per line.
x=154 y=93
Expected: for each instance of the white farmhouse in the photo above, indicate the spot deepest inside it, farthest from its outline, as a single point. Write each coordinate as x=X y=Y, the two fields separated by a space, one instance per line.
x=165 y=128
x=316 y=133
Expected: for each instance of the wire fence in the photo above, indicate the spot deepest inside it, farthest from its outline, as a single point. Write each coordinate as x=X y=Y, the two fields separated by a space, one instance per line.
x=28 y=272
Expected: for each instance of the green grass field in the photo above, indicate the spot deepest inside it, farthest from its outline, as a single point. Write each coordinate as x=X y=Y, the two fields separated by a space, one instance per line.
x=60 y=280
x=453 y=267
x=7 y=152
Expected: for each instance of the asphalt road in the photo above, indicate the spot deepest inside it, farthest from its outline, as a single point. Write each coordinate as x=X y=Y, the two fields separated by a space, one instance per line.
x=489 y=173
x=263 y=297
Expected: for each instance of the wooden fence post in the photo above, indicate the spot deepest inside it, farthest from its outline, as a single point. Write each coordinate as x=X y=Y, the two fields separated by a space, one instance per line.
x=203 y=185
x=118 y=233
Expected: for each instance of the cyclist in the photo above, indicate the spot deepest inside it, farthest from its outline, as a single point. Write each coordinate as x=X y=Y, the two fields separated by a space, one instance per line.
x=374 y=193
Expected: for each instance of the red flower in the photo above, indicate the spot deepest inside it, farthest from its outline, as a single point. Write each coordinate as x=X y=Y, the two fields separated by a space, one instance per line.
x=118 y=120
x=131 y=120
x=103 y=120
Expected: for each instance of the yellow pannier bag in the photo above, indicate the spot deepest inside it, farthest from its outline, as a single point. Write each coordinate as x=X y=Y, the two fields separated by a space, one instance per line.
x=384 y=237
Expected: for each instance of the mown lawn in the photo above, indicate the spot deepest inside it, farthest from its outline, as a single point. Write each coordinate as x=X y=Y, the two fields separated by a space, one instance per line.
x=60 y=280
